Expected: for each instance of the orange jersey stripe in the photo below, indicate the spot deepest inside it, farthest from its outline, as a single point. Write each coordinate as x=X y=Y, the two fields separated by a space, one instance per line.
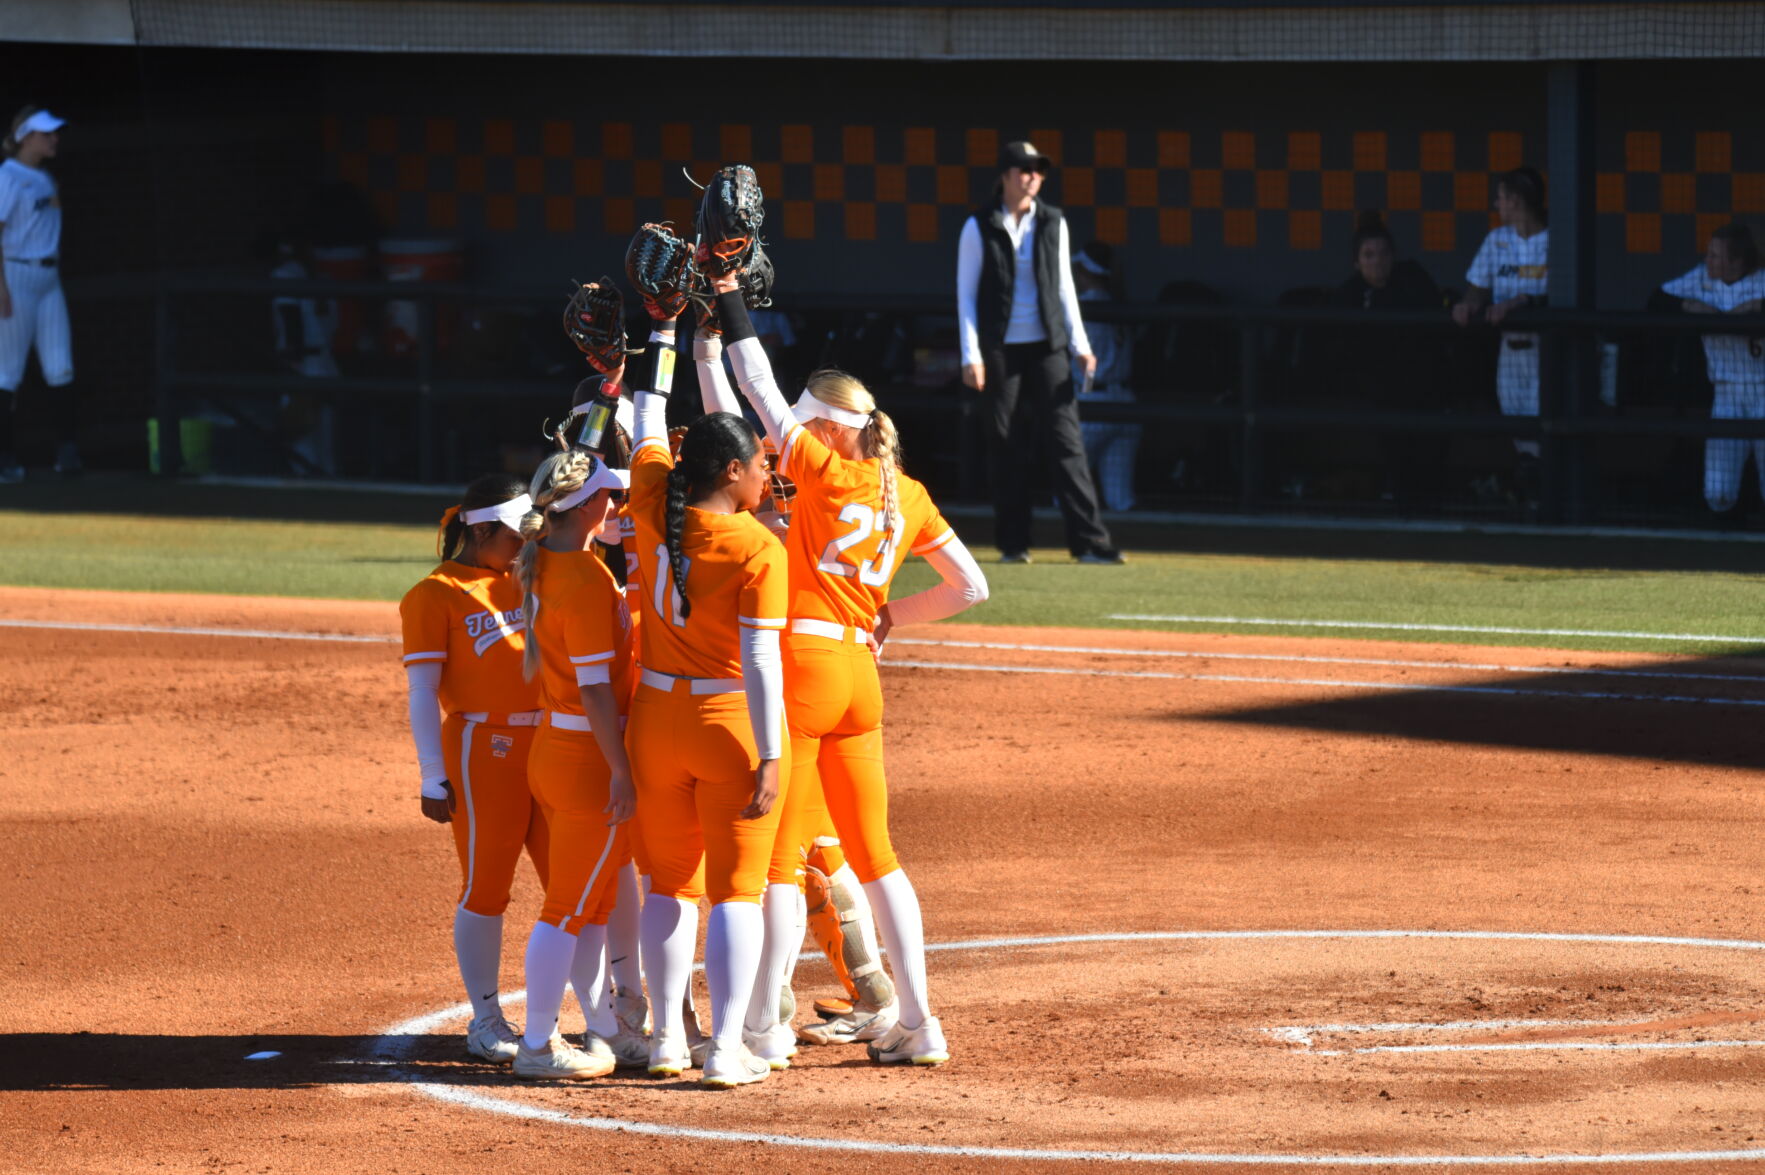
x=842 y=555
x=469 y=618
x=736 y=576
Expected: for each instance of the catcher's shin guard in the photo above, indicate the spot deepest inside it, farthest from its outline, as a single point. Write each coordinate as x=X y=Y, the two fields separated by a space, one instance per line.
x=832 y=923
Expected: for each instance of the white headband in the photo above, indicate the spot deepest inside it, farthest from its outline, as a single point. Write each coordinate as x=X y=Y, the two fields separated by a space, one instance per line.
x=808 y=406
x=508 y=513
x=603 y=478
x=41 y=122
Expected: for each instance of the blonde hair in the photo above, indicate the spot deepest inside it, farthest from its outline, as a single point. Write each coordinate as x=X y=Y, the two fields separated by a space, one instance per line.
x=878 y=439
x=558 y=476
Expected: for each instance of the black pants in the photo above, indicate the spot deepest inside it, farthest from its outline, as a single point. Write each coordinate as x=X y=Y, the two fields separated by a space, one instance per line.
x=1031 y=412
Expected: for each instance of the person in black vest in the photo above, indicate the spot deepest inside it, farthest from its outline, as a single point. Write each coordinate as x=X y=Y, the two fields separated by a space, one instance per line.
x=1019 y=317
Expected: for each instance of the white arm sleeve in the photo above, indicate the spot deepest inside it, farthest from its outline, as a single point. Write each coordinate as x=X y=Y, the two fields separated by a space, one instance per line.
x=968 y=284
x=763 y=681
x=964 y=586
x=753 y=371
x=1078 y=341
x=652 y=409
x=713 y=381
x=424 y=680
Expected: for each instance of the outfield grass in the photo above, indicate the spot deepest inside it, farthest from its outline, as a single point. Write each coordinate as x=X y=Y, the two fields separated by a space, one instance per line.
x=378 y=561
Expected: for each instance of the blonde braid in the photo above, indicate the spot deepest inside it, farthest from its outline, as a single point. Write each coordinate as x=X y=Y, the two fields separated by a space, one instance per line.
x=883 y=442
x=559 y=475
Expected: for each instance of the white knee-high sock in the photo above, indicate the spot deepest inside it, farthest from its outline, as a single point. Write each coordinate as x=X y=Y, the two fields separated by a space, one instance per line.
x=783 y=939
x=670 y=932
x=588 y=977
x=549 y=952
x=623 y=958
x=734 y=938
x=847 y=876
x=478 y=947
x=897 y=916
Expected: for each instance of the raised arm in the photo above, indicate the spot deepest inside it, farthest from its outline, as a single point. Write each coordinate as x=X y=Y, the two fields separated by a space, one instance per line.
x=652 y=393
x=753 y=371
x=713 y=380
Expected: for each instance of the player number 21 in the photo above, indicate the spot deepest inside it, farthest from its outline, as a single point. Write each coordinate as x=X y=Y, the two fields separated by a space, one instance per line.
x=872 y=572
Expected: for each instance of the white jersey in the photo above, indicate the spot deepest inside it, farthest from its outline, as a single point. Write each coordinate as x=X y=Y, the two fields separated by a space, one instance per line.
x=30 y=208
x=1509 y=265
x=1731 y=358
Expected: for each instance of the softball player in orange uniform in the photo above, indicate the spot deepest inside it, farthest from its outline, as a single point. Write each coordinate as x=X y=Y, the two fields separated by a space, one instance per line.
x=854 y=519
x=707 y=734
x=579 y=643
x=463 y=643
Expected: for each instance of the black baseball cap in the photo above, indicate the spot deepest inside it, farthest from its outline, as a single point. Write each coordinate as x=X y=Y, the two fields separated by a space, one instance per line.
x=1022 y=153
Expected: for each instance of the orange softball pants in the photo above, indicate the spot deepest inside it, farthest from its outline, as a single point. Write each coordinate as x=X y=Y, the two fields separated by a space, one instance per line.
x=833 y=700
x=494 y=814
x=694 y=759
x=570 y=782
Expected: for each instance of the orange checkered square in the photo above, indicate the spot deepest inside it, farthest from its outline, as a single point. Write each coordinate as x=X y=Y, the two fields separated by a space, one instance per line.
x=499 y=136
x=735 y=142
x=1173 y=149
x=1109 y=148
x=1305 y=151
x=1238 y=151
x=1305 y=230
x=1050 y=143
x=1078 y=186
x=983 y=147
x=1439 y=151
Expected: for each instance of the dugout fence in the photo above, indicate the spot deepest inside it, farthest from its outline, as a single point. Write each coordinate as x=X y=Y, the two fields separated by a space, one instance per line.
x=1245 y=410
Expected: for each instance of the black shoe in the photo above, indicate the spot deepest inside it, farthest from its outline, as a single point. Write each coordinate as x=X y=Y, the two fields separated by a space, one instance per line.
x=1108 y=555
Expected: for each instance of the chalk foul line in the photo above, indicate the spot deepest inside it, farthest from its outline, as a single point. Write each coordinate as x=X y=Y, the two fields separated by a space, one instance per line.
x=1402 y=626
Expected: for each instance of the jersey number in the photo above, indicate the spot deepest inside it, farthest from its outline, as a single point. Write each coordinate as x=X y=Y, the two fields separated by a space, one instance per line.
x=872 y=572
x=669 y=608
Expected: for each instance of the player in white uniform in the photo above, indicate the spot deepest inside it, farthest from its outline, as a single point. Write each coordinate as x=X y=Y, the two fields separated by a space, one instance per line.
x=1509 y=272
x=33 y=311
x=1729 y=282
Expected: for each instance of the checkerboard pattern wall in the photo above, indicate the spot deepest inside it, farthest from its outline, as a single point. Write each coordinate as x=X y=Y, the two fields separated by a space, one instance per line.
x=1240 y=189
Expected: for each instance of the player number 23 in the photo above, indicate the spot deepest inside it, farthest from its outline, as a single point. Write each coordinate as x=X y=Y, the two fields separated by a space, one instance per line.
x=863 y=521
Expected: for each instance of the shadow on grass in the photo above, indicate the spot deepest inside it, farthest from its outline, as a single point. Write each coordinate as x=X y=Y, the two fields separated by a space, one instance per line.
x=1707 y=711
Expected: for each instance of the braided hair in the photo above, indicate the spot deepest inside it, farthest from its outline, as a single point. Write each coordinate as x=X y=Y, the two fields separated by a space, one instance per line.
x=558 y=475
x=878 y=439
x=493 y=489
x=710 y=444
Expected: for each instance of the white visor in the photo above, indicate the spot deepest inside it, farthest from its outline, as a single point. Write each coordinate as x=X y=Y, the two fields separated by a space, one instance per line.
x=808 y=406
x=508 y=513
x=42 y=121
x=600 y=478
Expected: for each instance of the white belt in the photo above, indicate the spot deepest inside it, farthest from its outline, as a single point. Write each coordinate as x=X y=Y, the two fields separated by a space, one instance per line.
x=520 y=718
x=562 y=721
x=700 y=685
x=832 y=632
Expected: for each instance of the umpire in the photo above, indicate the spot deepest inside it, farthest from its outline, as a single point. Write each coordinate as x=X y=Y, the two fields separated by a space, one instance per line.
x=1019 y=316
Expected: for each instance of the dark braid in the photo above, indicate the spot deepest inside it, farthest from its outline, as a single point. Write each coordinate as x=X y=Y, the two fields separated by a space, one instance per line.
x=710 y=444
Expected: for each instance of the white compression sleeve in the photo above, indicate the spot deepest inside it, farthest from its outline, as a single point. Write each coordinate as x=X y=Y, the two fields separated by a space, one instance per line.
x=424 y=681
x=763 y=681
x=753 y=371
x=968 y=284
x=713 y=380
x=652 y=407
x=964 y=585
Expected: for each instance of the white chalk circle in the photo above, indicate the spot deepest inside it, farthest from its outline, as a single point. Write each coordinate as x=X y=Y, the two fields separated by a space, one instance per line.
x=395 y=1046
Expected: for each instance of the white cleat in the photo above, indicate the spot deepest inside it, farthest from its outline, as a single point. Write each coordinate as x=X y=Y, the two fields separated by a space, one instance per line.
x=668 y=1056
x=776 y=1046
x=731 y=1065
x=632 y=1011
x=920 y=1046
x=491 y=1039
x=851 y=1027
x=627 y=1051
x=559 y=1061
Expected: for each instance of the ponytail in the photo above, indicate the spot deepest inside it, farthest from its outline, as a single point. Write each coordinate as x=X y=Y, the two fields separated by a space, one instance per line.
x=710 y=444
x=881 y=441
x=493 y=489
x=558 y=476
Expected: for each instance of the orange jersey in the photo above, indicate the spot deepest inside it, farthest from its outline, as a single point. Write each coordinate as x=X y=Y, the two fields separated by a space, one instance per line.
x=580 y=621
x=470 y=619
x=735 y=577
x=842 y=558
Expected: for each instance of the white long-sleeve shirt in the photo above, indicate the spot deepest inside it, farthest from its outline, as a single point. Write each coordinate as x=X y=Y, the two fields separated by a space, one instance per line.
x=1025 y=325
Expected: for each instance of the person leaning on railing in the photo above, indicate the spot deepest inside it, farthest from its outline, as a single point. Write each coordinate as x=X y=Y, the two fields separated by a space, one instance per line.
x=1729 y=281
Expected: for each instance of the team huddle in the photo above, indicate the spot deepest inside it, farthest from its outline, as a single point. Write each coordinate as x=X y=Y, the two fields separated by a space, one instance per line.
x=654 y=667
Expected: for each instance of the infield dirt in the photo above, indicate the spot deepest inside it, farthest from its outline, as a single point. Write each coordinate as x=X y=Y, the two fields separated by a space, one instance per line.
x=212 y=848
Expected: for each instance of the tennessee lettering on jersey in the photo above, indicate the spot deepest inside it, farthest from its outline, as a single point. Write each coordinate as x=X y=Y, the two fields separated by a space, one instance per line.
x=582 y=623
x=736 y=577
x=843 y=554
x=470 y=619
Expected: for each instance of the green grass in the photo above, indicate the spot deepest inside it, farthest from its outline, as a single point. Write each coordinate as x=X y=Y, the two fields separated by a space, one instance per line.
x=379 y=560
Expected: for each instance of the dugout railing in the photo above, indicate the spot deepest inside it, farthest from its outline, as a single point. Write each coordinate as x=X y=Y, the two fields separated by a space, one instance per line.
x=1239 y=392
